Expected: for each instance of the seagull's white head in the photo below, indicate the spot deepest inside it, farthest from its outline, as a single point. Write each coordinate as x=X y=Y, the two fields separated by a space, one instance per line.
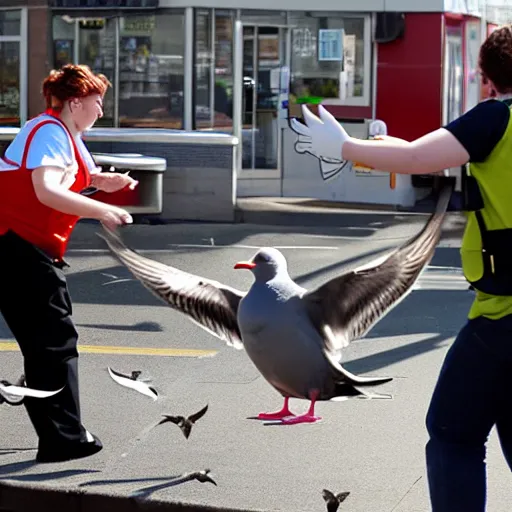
x=266 y=264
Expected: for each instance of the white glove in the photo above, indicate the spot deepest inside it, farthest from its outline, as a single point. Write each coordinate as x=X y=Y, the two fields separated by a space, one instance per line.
x=323 y=137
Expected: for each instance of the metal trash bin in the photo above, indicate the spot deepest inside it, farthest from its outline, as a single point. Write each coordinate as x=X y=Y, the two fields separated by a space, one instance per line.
x=148 y=170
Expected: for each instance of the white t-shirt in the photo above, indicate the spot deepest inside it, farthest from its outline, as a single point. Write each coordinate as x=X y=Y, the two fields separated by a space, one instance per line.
x=51 y=146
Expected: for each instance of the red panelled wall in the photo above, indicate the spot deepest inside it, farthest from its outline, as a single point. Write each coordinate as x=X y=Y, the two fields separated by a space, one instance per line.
x=409 y=78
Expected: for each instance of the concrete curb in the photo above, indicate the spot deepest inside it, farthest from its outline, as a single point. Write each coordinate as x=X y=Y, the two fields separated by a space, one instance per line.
x=23 y=498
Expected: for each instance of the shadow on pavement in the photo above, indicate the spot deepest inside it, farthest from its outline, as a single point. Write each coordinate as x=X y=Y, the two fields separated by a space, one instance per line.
x=371 y=363
x=138 y=327
x=55 y=475
x=143 y=492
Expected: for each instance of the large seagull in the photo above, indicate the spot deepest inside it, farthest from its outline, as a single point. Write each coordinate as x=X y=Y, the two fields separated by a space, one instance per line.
x=295 y=336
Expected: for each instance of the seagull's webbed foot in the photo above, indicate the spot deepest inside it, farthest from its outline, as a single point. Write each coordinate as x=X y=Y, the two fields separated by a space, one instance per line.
x=278 y=415
x=308 y=417
x=301 y=418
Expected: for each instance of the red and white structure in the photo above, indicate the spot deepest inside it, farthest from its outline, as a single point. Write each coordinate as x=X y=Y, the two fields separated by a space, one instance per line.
x=424 y=73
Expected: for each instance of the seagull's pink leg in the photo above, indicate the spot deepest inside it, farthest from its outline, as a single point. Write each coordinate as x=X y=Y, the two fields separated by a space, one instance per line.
x=278 y=415
x=309 y=417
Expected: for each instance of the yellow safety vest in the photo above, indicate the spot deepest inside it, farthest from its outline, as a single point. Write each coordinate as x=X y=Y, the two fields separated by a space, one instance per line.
x=494 y=177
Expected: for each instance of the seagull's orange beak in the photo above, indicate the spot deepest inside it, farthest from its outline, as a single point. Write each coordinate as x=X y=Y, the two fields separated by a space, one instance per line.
x=245 y=264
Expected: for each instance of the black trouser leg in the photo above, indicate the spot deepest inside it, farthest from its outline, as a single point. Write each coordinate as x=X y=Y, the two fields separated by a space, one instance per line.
x=35 y=304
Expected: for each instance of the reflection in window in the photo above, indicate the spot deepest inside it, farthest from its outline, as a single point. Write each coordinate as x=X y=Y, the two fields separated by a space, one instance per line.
x=9 y=84
x=223 y=70
x=63 y=41
x=97 y=49
x=204 y=69
x=312 y=78
x=10 y=23
x=214 y=70
x=151 y=68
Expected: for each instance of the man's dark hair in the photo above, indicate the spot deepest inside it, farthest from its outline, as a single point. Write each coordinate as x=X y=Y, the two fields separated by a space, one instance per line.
x=495 y=59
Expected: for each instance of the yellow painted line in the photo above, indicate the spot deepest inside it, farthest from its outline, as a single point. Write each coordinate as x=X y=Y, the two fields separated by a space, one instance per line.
x=7 y=346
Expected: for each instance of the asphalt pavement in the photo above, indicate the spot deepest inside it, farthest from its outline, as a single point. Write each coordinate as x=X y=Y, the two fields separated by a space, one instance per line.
x=372 y=448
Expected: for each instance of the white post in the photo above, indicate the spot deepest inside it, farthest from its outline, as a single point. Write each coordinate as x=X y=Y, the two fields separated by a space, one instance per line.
x=188 y=70
x=237 y=90
x=23 y=68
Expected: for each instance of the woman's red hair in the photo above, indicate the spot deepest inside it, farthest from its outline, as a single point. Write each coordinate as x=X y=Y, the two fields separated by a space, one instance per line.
x=72 y=81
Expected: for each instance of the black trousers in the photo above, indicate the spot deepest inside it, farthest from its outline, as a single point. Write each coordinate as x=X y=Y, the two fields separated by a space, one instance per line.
x=35 y=304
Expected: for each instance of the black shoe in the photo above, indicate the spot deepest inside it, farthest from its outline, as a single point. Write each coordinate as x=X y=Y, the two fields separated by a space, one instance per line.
x=69 y=452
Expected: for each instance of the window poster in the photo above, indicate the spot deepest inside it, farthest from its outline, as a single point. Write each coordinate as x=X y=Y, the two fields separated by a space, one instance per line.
x=63 y=52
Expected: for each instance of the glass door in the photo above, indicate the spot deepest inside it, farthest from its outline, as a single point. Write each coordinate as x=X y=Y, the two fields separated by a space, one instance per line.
x=453 y=86
x=263 y=61
x=453 y=77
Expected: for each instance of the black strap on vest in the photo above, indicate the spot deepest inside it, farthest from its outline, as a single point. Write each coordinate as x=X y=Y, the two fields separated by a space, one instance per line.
x=487 y=256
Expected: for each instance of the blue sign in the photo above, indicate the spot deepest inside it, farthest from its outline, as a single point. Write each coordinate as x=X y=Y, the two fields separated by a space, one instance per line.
x=330 y=44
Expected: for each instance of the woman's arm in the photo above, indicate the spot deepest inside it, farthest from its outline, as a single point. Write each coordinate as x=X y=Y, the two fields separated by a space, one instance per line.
x=431 y=153
x=49 y=190
x=392 y=139
x=112 y=181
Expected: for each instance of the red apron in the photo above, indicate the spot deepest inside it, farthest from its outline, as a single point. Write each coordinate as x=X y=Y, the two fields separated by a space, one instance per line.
x=23 y=213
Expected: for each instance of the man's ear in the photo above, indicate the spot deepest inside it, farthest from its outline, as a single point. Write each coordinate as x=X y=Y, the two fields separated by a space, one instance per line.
x=493 y=92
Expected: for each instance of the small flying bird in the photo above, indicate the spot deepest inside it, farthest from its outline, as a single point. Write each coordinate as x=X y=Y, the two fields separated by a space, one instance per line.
x=201 y=476
x=14 y=394
x=132 y=381
x=295 y=337
x=185 y=424
x=204 y=476
x=333 y=500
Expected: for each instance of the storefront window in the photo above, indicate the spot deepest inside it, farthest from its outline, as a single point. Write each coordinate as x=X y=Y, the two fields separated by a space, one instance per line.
x=10 y=22
x=151 y=65
x=327 y=59
x=214 y=70
x=97 y=49
x=63 y=41
x=10 y=28
x=9 y=83
x=149 y=56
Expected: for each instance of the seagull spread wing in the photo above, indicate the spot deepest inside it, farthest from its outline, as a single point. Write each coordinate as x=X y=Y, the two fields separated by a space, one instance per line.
x=346 y=307
x=135 y=384
x=211 y=305
x=9 y=390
